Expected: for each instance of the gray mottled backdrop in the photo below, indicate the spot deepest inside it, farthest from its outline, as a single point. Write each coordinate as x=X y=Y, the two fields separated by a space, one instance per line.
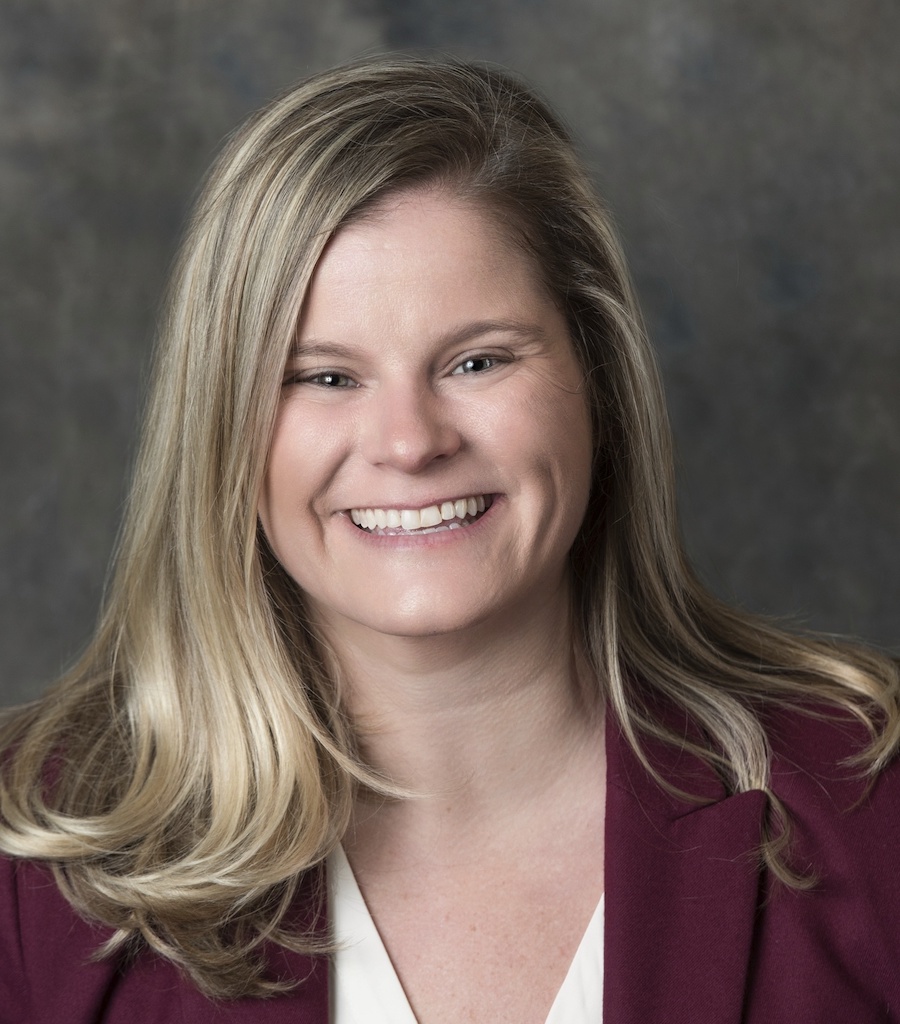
x=751 y=152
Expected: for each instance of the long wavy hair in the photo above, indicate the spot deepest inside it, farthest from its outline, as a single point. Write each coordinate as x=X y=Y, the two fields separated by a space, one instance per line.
x=196 y=762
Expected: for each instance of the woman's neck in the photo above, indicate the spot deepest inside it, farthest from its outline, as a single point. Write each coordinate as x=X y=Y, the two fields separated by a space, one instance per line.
x=476 y=725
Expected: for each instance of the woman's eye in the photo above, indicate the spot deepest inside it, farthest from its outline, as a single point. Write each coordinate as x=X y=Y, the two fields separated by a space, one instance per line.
x=476 y=364
x=329 y=379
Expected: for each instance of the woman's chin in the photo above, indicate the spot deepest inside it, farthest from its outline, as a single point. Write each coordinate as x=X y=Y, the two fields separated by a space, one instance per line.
x=414 y=626
x=413 y=619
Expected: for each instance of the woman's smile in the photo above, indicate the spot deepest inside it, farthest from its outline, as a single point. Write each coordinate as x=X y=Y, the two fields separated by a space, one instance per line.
x=430 y=464
x=450 y=514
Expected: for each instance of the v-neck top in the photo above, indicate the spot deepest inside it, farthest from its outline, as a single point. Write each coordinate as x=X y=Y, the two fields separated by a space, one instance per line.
x=365 y=988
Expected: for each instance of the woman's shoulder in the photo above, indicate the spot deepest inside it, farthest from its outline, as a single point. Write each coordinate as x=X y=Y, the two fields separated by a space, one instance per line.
x=817 y=769
x=842 y=814
x=51 y=971
x=842 y=933
x=46 y=949
x=818 y=751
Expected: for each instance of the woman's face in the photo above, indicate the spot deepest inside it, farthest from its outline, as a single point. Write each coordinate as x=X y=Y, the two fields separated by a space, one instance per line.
x=430 y=464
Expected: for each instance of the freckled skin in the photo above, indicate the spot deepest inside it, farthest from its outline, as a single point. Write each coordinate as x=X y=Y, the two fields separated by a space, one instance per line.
x=431 y=365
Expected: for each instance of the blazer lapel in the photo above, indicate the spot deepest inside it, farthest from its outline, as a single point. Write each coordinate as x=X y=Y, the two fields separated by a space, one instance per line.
x=682 y=890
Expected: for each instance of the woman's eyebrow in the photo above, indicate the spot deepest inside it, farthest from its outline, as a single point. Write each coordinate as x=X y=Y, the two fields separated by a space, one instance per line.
x=315 y=347
x=476 y=328
x=526 y=330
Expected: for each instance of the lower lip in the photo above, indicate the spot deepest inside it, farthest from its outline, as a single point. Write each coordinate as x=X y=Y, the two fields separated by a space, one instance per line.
x=420 y=540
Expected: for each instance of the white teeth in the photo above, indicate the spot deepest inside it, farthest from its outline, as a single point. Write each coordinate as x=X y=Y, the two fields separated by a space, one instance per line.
x=424 y=519
x=430 y=516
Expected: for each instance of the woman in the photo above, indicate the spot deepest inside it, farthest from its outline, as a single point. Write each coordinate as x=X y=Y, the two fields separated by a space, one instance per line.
x=400 y=594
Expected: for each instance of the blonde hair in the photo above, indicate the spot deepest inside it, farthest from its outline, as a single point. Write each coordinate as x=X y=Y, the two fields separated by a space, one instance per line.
x=195 y=764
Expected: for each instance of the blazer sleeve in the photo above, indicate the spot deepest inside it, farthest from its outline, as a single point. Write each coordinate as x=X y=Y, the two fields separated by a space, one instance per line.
x=49 y=973
x=15 y=1001
x=46 y=968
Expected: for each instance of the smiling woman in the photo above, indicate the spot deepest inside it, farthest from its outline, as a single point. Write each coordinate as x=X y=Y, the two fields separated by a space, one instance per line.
x=405 y=704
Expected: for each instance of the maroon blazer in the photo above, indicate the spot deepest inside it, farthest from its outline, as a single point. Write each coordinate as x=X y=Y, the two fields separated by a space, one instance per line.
x=695 y=932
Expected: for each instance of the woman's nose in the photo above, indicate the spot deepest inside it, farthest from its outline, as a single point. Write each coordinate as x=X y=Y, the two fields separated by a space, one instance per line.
x=407 y=428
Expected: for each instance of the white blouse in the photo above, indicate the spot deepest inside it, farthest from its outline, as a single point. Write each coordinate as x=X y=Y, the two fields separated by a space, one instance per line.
x=365 y=988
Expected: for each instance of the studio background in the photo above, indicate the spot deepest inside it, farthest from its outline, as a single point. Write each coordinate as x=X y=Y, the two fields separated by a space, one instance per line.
x=750 y=152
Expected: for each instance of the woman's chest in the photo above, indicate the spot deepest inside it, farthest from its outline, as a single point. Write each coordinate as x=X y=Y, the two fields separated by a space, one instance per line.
x=484 y=946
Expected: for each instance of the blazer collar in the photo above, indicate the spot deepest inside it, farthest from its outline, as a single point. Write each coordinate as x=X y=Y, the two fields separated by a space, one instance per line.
x=682 y=889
